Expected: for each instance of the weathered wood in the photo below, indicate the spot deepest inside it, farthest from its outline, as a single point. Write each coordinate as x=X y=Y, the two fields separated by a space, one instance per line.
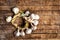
x=32 y=7
x=49 y=22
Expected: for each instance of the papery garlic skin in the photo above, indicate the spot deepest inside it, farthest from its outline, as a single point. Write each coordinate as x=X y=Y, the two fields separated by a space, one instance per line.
x=8 y=19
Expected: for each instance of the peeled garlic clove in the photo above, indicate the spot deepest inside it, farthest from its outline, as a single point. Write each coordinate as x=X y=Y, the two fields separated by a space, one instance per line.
x=22 y=33
x=8 y=19
x=35 y=22
x=27 y=13
x=32 y=16
x=15 y=10
x=34 y=28
x=37 y=17
x=28 y=31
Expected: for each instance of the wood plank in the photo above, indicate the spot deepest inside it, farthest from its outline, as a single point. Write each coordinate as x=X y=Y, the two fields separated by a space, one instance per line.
x=11 y=28
x=29 y=2
x=39 y=27
x=53 y=39
x=49 y=22
x=31 y=7
x=40 y=12
x=36 y=36
x=45 y=21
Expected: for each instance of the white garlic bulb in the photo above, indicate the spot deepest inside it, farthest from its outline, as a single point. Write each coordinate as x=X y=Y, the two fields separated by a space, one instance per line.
x=27 y=13
x=28 y=31
x=15 y=10
x=34 y=28
x=35 y=22
x=8 y=19
x=22 y=33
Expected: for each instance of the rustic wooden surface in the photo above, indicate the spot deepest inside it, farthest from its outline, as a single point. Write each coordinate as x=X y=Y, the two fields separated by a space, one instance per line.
x=49 y=22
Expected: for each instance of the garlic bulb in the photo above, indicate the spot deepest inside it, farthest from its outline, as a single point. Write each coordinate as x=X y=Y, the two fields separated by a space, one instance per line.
x=8 y=19
x=15 y=10
x=22 y=33
x=28 y=31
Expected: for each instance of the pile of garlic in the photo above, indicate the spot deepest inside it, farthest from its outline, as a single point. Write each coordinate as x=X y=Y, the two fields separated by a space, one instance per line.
x=32 y=18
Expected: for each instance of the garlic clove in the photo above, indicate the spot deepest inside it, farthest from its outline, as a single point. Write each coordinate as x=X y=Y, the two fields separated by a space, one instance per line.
x=28 y=31
x=34 y=28
x=32 y=16
x=17 y=33
x=27 y=13
x=37 y=17
x=8 y=19
x=22 y=33
x=15 y=10
x=35 y=22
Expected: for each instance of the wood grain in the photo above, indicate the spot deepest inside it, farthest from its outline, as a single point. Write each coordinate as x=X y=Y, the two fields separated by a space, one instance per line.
x=49 y=22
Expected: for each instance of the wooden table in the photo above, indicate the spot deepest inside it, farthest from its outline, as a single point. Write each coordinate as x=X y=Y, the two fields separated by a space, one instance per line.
x=49 y=22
